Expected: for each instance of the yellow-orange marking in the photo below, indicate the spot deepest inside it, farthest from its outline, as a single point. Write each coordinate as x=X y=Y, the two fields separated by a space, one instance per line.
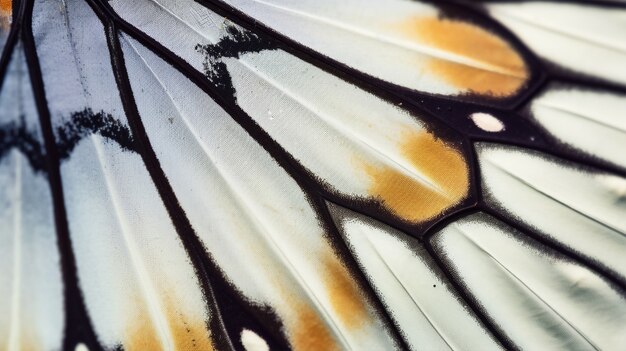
x=307 y=330
x=503 y=71
x=6 y=10
x=187 y=333
x=411 y=199
x=142 y=335
x=310 y=333
x=345 y=298
x=6 y=6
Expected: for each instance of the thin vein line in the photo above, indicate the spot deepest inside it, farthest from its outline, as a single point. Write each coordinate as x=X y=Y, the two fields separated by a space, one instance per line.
x=77 y=324
x=181 y=223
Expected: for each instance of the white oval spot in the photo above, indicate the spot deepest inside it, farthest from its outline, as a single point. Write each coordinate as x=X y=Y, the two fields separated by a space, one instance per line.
x=81 y=347
x=252 y=341
x=487 y=122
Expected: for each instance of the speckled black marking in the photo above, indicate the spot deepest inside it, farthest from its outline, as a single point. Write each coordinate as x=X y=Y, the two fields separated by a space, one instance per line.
x=85 y=123
x=17 y=135
x=76 y=320
x=238 y=41
x=81 y=124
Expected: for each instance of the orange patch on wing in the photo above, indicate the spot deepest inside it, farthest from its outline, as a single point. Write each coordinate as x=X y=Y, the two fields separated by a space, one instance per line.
x=142 y=335
x=411 y=199
x=6 y=6
x=186 y=333
x=307 y=330
x=495 y=69
x=191 y=335
x=345 y=298
x=6 y=10
x=310 y=333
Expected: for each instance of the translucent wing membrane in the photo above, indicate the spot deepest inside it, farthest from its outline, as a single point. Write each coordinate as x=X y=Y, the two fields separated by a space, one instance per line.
x=561 y=32
x=589 y=220
x=277 y=174
x=31 y=308
x=379 y=149
x=137 y=297
x=312 y=293
x=401 y=42
x=589 y=120
x=541 y=298
x=419 y=296
x=305 y=118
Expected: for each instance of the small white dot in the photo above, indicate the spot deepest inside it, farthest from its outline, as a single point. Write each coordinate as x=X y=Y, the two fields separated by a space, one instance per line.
x=487 y=122
x=81 y=347
x=252 y=341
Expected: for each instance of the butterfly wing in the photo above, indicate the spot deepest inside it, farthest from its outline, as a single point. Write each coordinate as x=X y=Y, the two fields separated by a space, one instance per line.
x=312 y=175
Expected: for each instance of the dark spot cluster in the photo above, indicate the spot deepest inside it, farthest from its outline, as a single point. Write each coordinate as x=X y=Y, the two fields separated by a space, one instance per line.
x=81 y=124
x=17 y=135
x=86 y=122
x=238 y=41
